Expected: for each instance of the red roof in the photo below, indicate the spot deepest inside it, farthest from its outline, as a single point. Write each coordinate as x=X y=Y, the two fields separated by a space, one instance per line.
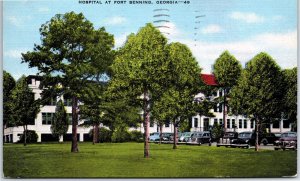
x=209 y=79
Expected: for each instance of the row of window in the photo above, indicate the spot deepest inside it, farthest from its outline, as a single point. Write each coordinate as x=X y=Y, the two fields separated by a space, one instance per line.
x=230 y=123
x=53 y=101
x=241 y=124
x=47 y=118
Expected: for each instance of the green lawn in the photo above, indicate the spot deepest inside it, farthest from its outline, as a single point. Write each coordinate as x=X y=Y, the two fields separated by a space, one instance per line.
x=126 y=160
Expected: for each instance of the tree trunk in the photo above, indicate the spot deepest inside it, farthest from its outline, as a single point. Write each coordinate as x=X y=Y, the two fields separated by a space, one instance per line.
x=146 y=125
x=224 y=111
x=256 y=132
x=95 y=133
x=25 y=135
x=74 y=147
x=160 y=132
x=175 y=136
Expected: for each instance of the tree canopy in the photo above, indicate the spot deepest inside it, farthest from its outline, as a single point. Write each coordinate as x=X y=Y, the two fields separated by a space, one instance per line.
x=9 y=84
x=24 y=106
x=71 y=54
x=258 y=93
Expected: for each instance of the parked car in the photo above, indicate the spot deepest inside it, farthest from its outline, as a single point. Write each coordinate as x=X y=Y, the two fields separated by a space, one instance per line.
x=270 y=138
x=247 y=137
x=154 y=136
x=185 y=136
x=200 y=137
x=179 y=134
x=228 y=138
x=167 y=136
x=288 y=140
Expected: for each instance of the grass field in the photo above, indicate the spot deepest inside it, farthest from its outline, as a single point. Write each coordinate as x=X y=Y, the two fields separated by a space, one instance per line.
x=126 y=160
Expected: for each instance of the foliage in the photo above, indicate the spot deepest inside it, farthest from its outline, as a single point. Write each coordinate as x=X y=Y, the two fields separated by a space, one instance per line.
x=120 y=134
x=72 y=53
x=140 y=68
x=136 y=136
x=104 y=135
x=31 y=137
x=8 y=85
x=123 y=160
x=258 y=93
x=176 y=103
x=216 y=132
x=60 y=123
x=184 y=126
x=24 y=106
x=290 y=95
x=227 y=70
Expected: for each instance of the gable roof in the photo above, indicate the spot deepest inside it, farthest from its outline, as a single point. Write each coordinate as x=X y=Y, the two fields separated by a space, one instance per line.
x=209 y=79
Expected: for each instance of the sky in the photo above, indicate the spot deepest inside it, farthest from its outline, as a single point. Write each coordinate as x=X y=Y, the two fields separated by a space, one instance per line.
x=208 y=27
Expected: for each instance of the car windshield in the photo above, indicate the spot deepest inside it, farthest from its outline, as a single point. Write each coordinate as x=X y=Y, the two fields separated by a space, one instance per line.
x=244 y=135
x=154 y=134
x=228 y=135
x=277 y=134
x=187 y=134
x=284 y=135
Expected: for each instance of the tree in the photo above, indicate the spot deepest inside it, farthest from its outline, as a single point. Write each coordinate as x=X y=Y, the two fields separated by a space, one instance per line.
x=8 y=85
x=24 y=107
x=140 y=72
x=258 y=93
x=71 y=54
x=290 y=95
x=176 y=103
x=227 y=70
x=60 y=123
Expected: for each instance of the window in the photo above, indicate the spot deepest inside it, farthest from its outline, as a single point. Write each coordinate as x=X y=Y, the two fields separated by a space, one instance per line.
x=220 y=93
x=276 y=124
x=196 y=122
x=220 y=107
x=52 y=101
x=252 y=123
x=215 y=121
x=286 y=123
x=70 y=118
x=47 y=118
x=245 y=123
x=228 y=123
x=216 y=108
x=167 y=123
x=220 y=121
x=240 y=123
x=233 y=123
x=67 y=100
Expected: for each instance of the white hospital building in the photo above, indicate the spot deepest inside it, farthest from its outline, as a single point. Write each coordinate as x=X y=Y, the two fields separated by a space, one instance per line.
x=42 y=122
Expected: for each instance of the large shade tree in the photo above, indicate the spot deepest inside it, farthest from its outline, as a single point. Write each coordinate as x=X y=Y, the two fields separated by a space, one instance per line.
x=140 y=72
x=290 y=96
x=227 y=70
x=258 y=93
x=177 y=102
x=72 y=53
x=23 y=105
x=9 y=84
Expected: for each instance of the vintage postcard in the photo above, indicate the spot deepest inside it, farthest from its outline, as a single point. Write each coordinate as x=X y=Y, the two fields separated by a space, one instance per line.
x=149 y=89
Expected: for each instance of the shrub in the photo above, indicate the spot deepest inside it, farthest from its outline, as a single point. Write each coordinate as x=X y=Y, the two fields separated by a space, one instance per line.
x=31 y=137
x=104 y=135
x=216 y=132
x=136 y=136
x=120 y=134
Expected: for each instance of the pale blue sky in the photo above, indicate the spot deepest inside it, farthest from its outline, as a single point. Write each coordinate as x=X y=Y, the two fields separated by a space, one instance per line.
x=244 y=27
